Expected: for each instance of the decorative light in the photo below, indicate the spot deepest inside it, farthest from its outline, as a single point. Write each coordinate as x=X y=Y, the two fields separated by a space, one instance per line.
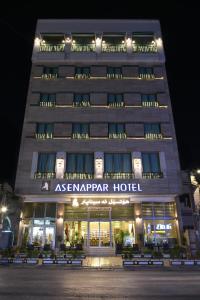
x=4 y=209
x=159 y=42
x=198 y=171
x=75 y=203
x=68 y=40
x=37 y=42
x=73 y=42
x=98 y=42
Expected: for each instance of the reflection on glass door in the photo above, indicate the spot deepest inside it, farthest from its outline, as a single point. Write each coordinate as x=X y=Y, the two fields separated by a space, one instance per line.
x=99 y=234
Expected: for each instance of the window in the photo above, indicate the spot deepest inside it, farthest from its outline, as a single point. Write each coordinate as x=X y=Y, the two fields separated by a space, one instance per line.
x=151 y=165
x=50 y=73
x=80 y=131
x=152 y=131
x=46 y=166
x=144 y=42
x=114 y=72
x=47 y=100
x=44 y=131
x=113 y=43
x=118 y=166
x=115 y=100
x=83 y=42
x=80 y=166
x=82 y=72
x=52 y=43
x=149 y=100
x=146 y=73
x=116 y=130
x=81 y=100
x=157 y=209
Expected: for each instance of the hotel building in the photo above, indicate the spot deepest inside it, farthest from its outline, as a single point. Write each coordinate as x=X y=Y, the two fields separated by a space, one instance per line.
x=98 y=158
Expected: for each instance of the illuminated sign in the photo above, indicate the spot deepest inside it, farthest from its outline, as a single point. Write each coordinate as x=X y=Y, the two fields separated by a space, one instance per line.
x=163 y=226
x=98 y=187
x=88 y=202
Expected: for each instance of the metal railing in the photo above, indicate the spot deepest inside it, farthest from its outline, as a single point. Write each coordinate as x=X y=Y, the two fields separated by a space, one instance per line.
x=44 y=175
x=81 y=103
x=152 y=175
x=77 y=135
x=52 y=48
x=83 y=48
x=79 y=176
x=119 y=175
x=43 y=136
x=153 y=136
x=145 y=48
x=121 y=135
x=113 y=48
x=49 y=76
x=150 y=103
x=47 y=103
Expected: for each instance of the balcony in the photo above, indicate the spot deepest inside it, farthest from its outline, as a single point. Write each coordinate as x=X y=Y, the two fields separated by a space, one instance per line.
x=113 y=48
x=80 y=135
x=145 y=48
x=152 y=175
x=81 y=76
x=52 y=48
x=79 y=176
x=44 y=136
x=146 y=76
x=81 y=103
x=121 y=135
x=44 y=175
x=153 y=136
x=150 y=104
x=48 y=76
x=119 y=175
x=116 y=104
x=83 y=47
x=48 y=103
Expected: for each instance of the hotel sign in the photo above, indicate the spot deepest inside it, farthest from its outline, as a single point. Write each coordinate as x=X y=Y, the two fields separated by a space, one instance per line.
x=98 y=188
x=93 y=202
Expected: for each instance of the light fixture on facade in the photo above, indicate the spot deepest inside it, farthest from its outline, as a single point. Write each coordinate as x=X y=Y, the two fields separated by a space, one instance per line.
x=75 y=202
x=128 y=42
x=4 y=209
x=37 y=42
x=159 y=42
x=198 y=171
x=98 y=41
x=68 y=40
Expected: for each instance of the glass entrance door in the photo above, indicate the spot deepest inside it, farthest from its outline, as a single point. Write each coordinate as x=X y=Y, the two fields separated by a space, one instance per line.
x=99 y=234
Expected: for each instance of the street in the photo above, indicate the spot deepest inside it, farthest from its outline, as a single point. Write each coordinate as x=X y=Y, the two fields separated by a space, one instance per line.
x=56 y=283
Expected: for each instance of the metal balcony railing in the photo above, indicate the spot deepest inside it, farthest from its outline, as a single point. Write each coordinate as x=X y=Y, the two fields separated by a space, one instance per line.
x=45 y=175
x=150 y=103
x=52 y=48
x=83 y=48
x=119 y=175
x=79 y=176
x=152 y=175
x=44 y=136
x=77 y=135
x=121 y=135
x=153 y=136
x=145 y=48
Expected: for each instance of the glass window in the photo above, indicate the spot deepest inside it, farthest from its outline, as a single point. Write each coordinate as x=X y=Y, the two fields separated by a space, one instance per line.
x=82 y=72
x=39 y=210
x=116 y=130
x=44 y=130
x=80 y=163
x=83 y=42
x=81 y=100
x=115 y=100
x=113 y=43
x=80 y=130
x=46 y=162
x=114 y=72
x=47 y=100
x=117 y=162
x=150 y=162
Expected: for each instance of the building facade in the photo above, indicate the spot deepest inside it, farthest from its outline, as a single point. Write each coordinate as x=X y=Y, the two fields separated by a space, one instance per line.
x=98 y=162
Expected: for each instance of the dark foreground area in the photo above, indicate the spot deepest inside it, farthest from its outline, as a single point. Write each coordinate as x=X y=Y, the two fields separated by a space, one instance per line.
x=60 y=283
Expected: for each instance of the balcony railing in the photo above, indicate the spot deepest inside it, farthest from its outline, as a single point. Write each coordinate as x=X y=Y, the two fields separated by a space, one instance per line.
x=145 y=48
x=49 y=76
x=79 y=176
x=45 y=175
x=82 y=76
x=80 y=135
x=116 y=104
x=152 y=175
x=150 y=103
x=114 y=76
x=52 y=48
x=153 y=136
x=113 y=48
x=44 y=136
x=146 y=76
x=47 y=103
x=119 y=175
x=83 y=48
x=81 y=103
x=121 y=135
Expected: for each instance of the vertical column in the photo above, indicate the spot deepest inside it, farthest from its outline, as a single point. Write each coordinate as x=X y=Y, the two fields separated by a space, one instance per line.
x=163 y=165
x=98 y=165
x=34 y=164
x=59 y=224
x=137 y=164
x=60 y=164
x=139 y=232
x=98 y=42
x=129 y=43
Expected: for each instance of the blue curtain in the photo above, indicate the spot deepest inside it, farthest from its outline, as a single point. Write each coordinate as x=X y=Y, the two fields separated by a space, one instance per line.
x=117 y=71
x=76 y=128
x=86 y=71
x=84 y=128
x=77 y=98
x=71 y=163
x=112 y=128
x=120 y=128
x=52 y=97
x=89 y=163
x=119 y=98
x=80 y=163
x=127 y=168
x=46 y=162
x=49 y=128
x=110 y=70
x=108 y=163
x=86 y=97
x=78 y=70
x=152 y=97
x=111 y=98
x=41 y=128
x=150 y=162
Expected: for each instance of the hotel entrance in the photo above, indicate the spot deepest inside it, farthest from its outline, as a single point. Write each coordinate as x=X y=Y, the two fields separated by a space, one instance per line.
x=99 y=227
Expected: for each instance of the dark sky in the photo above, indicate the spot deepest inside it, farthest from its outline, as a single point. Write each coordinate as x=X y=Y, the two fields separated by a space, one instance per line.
x=180 y=29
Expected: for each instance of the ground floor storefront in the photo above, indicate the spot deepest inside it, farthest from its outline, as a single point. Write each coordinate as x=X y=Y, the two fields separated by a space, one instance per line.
x=91 y=223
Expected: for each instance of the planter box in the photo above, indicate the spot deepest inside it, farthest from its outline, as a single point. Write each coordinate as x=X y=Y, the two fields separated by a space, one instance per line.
x=48 y=261
x=31 y=261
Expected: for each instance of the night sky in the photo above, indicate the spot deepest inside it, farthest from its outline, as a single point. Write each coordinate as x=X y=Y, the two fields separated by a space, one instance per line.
x=180 y=29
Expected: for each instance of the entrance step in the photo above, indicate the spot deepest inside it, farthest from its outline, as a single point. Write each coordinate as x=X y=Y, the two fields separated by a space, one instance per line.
x=100 y=252
x=103 y=262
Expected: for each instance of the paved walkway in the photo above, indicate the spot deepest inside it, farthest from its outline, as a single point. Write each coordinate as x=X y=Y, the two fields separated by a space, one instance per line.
x=103 y=262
